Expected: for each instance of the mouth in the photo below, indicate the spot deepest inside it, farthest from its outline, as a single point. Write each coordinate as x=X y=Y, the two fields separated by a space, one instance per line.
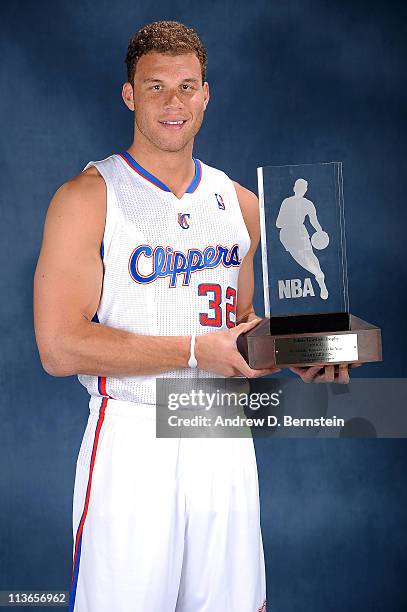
x=175 y=124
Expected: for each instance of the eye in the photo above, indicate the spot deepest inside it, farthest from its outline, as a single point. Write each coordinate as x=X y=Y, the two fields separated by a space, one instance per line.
x=185 y=86
x=154 y=87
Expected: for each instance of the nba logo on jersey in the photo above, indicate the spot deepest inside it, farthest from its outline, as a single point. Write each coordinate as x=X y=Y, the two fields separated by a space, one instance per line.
x=183 y=220
x=219 y=199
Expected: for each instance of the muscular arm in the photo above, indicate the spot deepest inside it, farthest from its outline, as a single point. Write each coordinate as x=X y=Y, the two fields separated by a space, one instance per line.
x=312 y=214
x=280 y=218
x=249 y=206
x=67 y=289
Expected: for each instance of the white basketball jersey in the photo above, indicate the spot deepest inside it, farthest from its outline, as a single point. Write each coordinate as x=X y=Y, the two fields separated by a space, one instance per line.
x=171 y=265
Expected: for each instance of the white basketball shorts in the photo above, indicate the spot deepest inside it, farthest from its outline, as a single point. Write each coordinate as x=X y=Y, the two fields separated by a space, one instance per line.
x=163 y=524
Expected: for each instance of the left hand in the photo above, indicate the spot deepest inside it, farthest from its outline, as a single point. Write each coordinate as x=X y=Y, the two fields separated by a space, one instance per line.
x=338 y=373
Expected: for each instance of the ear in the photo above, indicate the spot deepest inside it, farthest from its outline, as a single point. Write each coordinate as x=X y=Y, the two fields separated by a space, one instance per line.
x=128 y=95
x=206 y=94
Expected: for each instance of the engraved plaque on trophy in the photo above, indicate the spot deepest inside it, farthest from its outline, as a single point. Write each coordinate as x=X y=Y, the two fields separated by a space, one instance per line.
x=307 y=320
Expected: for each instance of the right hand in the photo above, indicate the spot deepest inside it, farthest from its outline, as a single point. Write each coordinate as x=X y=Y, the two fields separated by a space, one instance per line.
x=217 y=352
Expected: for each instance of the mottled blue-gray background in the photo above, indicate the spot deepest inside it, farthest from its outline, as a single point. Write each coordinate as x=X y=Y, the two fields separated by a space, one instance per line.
x=291 y=82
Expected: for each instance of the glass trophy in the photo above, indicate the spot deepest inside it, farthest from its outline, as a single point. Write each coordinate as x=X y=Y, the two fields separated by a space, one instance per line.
x=307 y=320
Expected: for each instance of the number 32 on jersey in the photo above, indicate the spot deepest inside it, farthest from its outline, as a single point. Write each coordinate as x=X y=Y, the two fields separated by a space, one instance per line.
x=214 y=316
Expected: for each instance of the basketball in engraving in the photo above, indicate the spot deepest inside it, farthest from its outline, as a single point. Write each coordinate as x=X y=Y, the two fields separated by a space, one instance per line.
x=320 y=240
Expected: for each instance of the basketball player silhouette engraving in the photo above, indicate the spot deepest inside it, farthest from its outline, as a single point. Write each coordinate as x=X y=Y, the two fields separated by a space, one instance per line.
x=294 y=235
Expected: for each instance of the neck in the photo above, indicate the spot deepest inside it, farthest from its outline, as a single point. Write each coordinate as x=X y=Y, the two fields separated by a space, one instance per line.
x=171 y=167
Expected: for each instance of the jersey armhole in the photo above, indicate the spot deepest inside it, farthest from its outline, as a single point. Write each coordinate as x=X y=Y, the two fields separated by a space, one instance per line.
x=111 y=211
x=239 y=210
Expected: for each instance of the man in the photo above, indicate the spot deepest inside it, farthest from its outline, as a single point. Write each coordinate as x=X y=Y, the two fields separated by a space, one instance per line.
x=146 y=269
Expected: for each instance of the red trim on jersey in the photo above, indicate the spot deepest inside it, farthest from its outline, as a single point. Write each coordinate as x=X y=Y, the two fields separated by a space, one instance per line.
x=102 y=411
x=102 y=385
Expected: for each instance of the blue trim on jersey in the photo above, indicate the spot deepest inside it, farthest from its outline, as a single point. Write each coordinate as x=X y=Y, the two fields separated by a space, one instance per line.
x=72 y=593
x=153 y=179
x=197 y=177
x=102 y=252
x=144 y=172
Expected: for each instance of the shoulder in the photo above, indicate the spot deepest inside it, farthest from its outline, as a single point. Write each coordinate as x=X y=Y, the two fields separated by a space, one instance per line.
x=308 y=203
x=88 y=183
x=88 y=188
x=249 y=205
x=79 y=204
x=247 y=199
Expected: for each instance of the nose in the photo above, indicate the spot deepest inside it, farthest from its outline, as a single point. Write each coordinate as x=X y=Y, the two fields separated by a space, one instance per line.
x=173 y=99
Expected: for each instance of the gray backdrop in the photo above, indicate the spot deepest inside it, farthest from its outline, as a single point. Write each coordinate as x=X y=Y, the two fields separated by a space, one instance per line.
x=291 y=82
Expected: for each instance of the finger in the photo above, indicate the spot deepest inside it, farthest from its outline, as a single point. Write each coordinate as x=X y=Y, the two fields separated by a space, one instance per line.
x=343 y=374
x=269 y=371
x=329 y=373
x=255 y=374
x=245 y=327
x=242 y=366
x=325 y=377
x=307 y=374
x=296 y=370
x=319 y=379
x=355 y=365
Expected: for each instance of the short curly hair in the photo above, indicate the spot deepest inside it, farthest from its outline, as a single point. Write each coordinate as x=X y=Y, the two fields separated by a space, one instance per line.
x=170 y=37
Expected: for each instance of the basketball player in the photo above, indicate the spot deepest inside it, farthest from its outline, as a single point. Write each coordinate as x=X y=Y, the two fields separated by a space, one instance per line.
x=294 y=235
x=146 y=269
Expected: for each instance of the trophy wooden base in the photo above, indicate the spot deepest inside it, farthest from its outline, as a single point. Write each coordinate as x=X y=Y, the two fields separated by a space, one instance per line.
x=297 y=340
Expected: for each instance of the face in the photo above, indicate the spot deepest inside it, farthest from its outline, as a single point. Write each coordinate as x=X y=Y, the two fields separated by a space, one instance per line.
x=167 y=89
